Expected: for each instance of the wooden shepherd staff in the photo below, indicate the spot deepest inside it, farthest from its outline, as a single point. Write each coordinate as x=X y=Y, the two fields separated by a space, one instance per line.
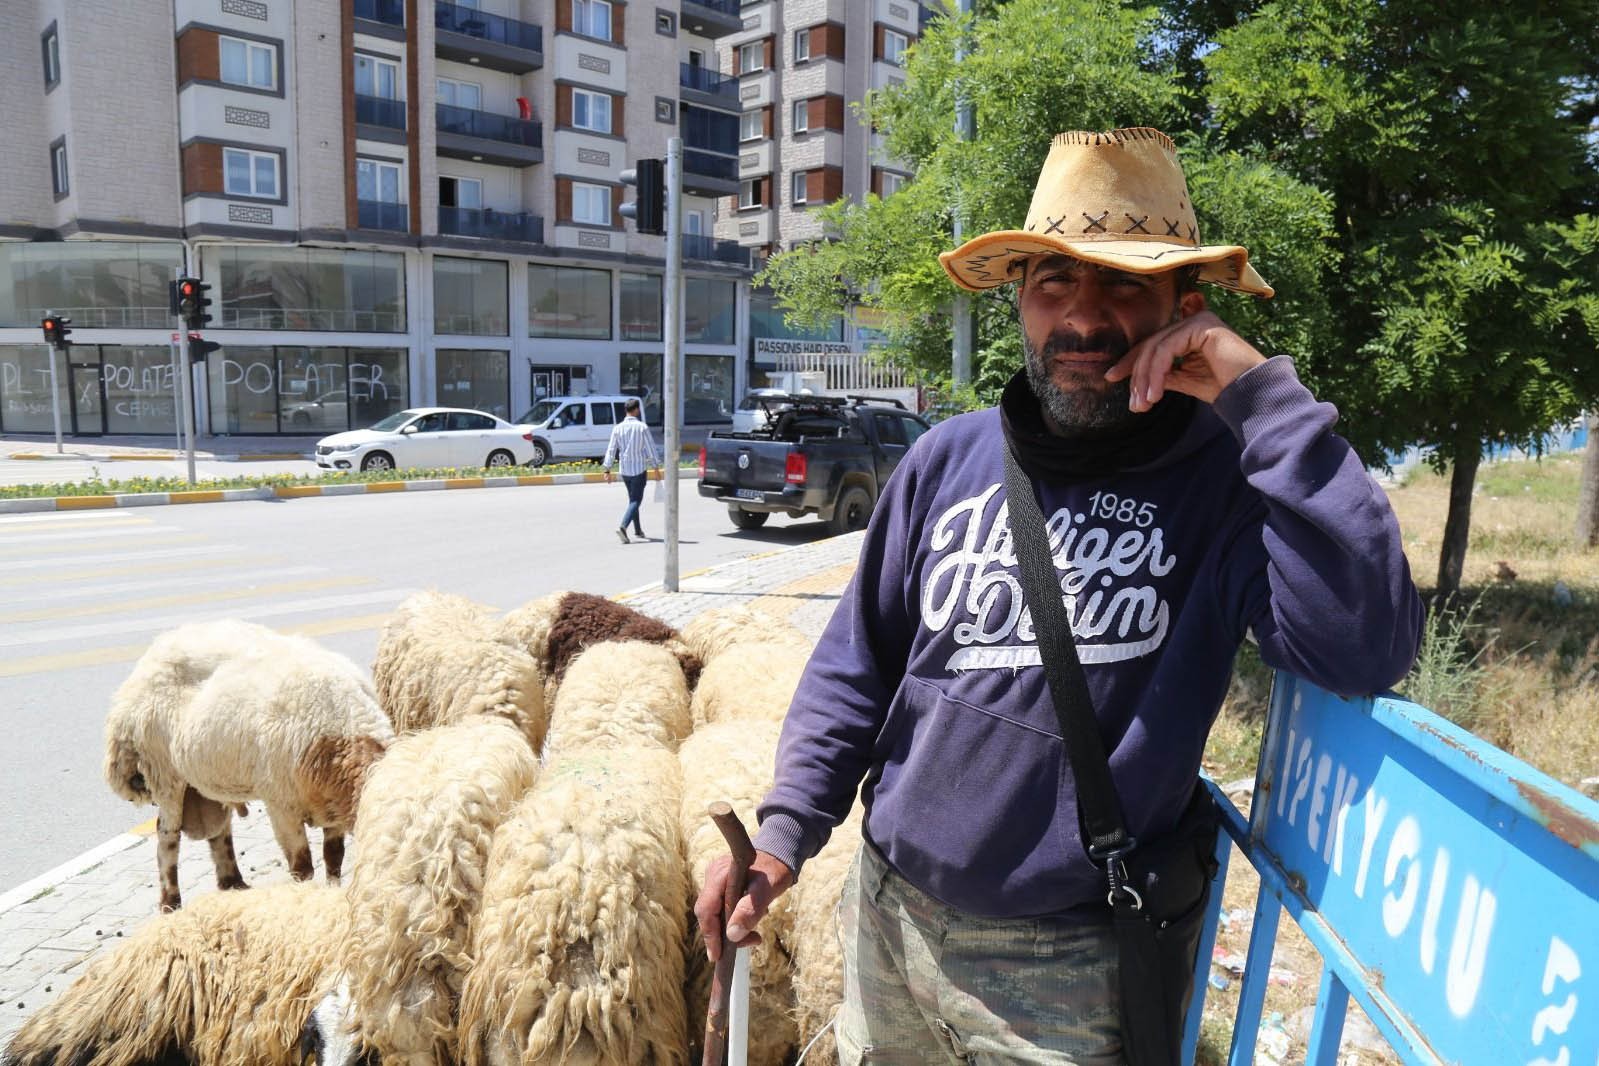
x=738 y=842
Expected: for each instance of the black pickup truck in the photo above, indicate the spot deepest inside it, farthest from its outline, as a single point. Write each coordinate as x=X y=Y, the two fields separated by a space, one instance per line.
x=821 y=455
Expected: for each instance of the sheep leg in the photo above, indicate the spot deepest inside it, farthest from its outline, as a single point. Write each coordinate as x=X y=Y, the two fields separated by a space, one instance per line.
x=168 y=831
x=332 y=855
x=226 y=863
x=290 y=832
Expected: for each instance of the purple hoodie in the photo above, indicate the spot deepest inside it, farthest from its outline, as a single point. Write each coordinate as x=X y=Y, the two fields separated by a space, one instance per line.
x=926 y=687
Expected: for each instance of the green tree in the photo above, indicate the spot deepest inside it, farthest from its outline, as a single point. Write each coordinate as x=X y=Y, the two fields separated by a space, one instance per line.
x=1454 y=143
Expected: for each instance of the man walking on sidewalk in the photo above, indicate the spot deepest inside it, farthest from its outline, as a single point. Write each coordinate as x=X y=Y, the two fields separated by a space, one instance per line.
x=633 y=450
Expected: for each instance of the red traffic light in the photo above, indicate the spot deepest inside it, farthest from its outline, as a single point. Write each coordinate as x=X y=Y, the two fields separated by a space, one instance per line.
x=49 y=325
x=187 y=288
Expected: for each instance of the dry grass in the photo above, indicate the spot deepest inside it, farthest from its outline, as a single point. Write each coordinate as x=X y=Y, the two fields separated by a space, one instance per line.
x=1516 y=661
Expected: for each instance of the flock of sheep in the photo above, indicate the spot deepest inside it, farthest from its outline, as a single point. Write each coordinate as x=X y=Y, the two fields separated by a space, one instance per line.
x=527 y=793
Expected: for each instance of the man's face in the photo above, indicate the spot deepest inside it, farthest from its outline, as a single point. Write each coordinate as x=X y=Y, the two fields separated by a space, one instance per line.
x=1078 y=319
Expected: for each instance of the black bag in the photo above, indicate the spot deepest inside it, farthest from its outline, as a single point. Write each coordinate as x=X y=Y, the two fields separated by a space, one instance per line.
x=1158 y=890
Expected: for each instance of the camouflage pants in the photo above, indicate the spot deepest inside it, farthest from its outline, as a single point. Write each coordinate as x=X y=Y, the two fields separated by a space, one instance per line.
x=924 y=983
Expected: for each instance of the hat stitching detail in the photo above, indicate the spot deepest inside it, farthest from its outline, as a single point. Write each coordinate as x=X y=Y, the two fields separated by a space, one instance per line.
x=1142 y=133
x=1193 y=234
x=1095 y=225
x=1055 y=225
x=1137 y=223
x=1171 y=227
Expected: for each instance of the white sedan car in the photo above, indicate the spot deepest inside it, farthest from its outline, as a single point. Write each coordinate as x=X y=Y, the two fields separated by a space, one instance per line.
x=428 y=437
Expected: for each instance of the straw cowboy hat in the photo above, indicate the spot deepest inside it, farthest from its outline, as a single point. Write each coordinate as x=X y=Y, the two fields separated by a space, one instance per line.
x=1117 y=199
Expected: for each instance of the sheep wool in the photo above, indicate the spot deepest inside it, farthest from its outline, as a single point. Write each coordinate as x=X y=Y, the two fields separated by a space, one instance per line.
x=733 y=761
x=427 y=818
x=620 y=693
x=226 y=982
x=528 y=626
x=814 y=939
x=584 y=619
x=756 y=684
x=715 y=632
x=578 y=945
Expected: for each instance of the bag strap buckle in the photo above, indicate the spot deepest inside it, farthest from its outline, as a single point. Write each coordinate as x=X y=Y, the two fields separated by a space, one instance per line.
x=1121 y=893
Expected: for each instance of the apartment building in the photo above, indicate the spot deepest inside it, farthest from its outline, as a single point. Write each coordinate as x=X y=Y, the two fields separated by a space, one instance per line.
x=397 y=202
x=801 y=65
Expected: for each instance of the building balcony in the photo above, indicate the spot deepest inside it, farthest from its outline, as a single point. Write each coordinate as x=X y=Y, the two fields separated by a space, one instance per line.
x=709 y=173
x=491 y=224
x=467 y=35
x=711 y=250
x=708 y=88
x=379 y=111
x=711 y=18
x=386 y=12
x=484 y=137
x=380 y=214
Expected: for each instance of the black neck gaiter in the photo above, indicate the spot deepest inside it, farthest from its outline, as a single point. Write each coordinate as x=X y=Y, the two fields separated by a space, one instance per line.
x=1046 y=457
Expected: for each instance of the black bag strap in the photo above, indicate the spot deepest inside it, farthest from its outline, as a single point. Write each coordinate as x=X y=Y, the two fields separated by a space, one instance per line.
x=1098 y=805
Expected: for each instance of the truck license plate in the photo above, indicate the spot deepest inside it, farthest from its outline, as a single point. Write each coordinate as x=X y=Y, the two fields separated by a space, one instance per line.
x=747 y=494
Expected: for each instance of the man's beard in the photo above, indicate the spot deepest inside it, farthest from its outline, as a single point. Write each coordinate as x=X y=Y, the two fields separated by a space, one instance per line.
x=1092 y=405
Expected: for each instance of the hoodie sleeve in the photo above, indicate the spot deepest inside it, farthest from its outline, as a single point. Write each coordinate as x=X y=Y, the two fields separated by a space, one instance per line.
x=1321 y=578
x=825 y=748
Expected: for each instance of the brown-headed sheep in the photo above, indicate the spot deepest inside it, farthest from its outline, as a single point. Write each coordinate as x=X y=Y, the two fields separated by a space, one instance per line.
x=715 y=632
x=578 y=945
x=583 y=619
x=757 y=683
x=620 y=693
x=228 y=981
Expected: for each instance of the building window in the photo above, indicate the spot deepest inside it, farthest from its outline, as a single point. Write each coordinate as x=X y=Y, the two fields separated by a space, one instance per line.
x=799 y=183
x=592 y=18
x=752 y=126
x=377 y=180
x=377 y=77
x=591 y=204
x=802 y=117
x=249 y=63
x=641 y=307
x=802 y=45
x=894 y=45
x=98 y=284
x=666 y=24
x=709 y=309
x=694 y=223
x=892 y=183
x=571 y=302
x=591 y=111
x=301 y=390
x=247 y=173
x=749 y=193
x=311 y=289
x=50 y=43
x=751 y=57
x=470 y=297
x=708 y=388
x=460 y=94
x=641 y=377
x=477 y=380
x=59 y=182
x=460 y=192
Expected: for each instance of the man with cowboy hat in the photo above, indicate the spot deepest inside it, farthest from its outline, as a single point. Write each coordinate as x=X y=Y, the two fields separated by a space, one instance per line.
x=1195 y=495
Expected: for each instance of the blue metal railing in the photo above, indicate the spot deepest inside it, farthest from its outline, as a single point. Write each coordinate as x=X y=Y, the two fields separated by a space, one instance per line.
x=389 y=12
x=380 y=214
x=726 y=7
x=710 y=165
x=487 y=222
x=469 y=22
x=380 y=111
x=706 y=80
x=714 y=131
x=711 y=250
x=470 y=123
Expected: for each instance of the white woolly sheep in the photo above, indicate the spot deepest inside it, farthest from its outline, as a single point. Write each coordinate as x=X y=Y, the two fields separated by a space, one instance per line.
x=439 y=660
x=281 y=720
x=428 y=816
x=733 y=761
x=626 y=693
x=757 y=683
x=226 y=982
x=578 y=946
x=715 y=632
x=814 y=941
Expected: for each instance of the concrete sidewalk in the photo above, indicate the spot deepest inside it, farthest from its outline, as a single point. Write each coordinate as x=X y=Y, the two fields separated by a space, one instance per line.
x=52 y=927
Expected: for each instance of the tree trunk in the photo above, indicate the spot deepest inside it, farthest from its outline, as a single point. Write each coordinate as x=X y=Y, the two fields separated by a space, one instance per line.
x=1588 y=495
x=1457 y=527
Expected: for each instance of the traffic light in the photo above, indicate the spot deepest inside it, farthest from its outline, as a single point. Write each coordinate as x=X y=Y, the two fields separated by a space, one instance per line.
x=648 y=212
x=56 y=331
x=199 y=348
x=191 y=301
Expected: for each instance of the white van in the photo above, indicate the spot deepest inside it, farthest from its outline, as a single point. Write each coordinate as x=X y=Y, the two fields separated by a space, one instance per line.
x=572 y=427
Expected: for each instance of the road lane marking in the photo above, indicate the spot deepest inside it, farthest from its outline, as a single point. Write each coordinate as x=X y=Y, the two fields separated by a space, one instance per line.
x=160 y=622
x=76 y=522
x=127 y=653
x=52 y=536
x=193 y=581
x=47 y=577
x=134 y=558
x=34 y=550
x=86 y=610
x=51 y=518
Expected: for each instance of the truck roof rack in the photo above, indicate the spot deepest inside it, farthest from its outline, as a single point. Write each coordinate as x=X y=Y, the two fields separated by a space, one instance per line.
x=886 y=401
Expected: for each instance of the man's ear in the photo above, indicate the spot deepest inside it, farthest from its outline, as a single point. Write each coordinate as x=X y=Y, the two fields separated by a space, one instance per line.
x=1191 y=303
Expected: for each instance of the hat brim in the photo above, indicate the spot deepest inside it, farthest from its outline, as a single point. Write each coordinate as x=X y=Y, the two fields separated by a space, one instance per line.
x=994 y=259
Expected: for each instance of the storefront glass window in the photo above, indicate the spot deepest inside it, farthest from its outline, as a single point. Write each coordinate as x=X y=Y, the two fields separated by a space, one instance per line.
x=469 y=297
x=707 y=388
x=641 y=307
x=766 y=320
x=241 y=381
x=641 y=377
x=379 y=384
x=25 y=390
x=475 y=379
x=313 y=395
x=710 y=309
x=138 y=389
x=304 y=390
x=97 y=284
x=310 y=289
x=568 y=302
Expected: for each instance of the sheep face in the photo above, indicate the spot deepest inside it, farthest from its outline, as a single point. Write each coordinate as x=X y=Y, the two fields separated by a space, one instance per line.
x=331 y=1037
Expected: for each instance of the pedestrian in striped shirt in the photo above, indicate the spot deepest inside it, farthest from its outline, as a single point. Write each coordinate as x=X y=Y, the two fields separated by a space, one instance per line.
x=633 y=450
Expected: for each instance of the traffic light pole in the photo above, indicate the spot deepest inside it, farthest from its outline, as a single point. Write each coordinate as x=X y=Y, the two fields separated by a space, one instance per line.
x=186 y=389
x=55 y=394
x=670 y=375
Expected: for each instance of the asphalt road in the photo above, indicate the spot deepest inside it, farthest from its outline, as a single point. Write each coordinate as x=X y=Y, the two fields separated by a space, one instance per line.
x=82 y=594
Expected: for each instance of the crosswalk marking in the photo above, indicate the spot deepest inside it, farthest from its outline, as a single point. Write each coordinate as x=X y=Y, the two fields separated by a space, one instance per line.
x=187 y=598
x=78 y=573
x=119 y=541
x=54 y=536
x=67 y=519
x=134 y=558
x=76 y=522
x=188 y=581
